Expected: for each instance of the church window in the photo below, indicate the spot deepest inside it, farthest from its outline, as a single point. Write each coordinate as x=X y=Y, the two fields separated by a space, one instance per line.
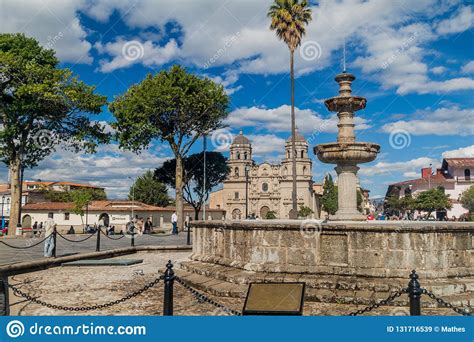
x=265 y=187
x=236 y=171
x=302 y=154
x=304 y=170
x=236 y=195
x=238 y=155
x=245 y=155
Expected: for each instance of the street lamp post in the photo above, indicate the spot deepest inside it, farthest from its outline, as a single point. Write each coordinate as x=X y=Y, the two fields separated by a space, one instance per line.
x=3 y=221
x=247 y=169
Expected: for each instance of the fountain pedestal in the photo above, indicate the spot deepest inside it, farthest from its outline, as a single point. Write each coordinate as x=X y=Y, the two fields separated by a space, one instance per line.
x=346 y=153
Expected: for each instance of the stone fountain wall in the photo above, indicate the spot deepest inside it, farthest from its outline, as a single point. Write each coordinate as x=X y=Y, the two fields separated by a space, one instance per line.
x=379 y=249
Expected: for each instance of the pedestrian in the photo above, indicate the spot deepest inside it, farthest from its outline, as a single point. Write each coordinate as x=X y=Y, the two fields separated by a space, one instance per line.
x=71 y=230
x=174 y=222
x=35 y=228
x=49 y=242
x=148 y=226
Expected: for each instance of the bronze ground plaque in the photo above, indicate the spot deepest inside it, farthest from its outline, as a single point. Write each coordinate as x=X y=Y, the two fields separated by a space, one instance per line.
x=274 y=299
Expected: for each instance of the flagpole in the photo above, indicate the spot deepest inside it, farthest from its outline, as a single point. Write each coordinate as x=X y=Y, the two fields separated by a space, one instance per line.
x=204 y=180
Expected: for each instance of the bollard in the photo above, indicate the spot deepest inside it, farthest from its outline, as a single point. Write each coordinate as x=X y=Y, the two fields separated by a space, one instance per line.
x=168 y=296
x=4 y=301
x=54 y=241
x=97 y=245
x=188 y=236
x=414 y=294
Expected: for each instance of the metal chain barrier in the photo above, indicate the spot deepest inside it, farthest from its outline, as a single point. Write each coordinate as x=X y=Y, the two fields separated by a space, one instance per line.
x=442 y=302
x=387 y=301
x=107 y=236
x=203 y=298
x=84 y=308
x=25 y=247
x=65 y=238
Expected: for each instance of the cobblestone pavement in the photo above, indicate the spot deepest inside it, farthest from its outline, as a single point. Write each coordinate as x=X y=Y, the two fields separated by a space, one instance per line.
x=84 y=286
x=10 y=255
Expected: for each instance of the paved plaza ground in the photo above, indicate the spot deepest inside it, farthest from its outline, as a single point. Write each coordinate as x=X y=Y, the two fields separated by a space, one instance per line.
x=84 y=286
x=10 y=255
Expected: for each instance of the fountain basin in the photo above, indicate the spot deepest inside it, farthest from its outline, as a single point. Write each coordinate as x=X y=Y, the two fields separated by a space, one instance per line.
x=345 y=103
x=343 y=153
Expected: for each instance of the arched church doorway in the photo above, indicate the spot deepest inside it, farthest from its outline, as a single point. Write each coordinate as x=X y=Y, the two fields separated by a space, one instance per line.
x=26 y=222
x=264 y=211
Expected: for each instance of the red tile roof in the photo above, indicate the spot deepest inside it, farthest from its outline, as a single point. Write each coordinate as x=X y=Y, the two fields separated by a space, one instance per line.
x=459 y=162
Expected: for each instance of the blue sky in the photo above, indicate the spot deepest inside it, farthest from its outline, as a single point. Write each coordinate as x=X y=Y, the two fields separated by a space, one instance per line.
x=413 y=61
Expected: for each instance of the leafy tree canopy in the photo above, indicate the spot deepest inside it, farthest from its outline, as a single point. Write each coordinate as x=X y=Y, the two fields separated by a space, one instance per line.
x=195 y=193
x=68 y=196
x=467 y=199
x=305 y=211
x=432 y=200
x=329 y=197
x=41 y=105
x=149 y=190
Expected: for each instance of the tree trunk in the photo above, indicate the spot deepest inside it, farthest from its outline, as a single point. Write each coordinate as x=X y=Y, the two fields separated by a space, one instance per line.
x=294 y=197
x=196 y=213
x=15 y=203
x=179 y=192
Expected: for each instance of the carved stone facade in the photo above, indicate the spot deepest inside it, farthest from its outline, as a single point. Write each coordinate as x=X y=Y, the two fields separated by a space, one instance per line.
x=269 y=185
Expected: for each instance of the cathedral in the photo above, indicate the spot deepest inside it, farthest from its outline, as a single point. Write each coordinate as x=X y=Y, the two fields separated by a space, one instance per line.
x=264 y=190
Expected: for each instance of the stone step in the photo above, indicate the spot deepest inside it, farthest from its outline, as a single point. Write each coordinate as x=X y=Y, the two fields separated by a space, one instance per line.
x=229 y=282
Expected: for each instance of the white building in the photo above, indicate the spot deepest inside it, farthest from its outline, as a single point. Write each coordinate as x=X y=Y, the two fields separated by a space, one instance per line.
x=269 y=186
x=454 y=177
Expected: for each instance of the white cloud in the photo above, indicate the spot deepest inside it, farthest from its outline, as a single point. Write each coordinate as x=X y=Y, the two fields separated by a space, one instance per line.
x=228 y=80
x=463 y=152
x=468 y=68
x=438 y=70
x=128 y=52
x=278 y=119
x=265 y=146
x=442 y=121
x=461 y=21
x=109 y=168
x=409 y=169
x=55 y=24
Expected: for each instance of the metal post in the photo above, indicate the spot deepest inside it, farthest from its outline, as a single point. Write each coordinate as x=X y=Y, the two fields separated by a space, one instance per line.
x=414 y=294
x=132 y=240
x=204 y=177
x=188 y=236
x=54 y=241
x=168 y=296
x=4 y=300
x=246 y=192
x=97 y=246
x=3 y=220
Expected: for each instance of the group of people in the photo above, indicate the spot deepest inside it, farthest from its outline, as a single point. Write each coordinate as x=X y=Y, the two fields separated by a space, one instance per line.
x=140 y=226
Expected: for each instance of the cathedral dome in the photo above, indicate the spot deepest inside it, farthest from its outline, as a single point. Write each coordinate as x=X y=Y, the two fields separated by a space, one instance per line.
x=298 y=138
x=241 y=139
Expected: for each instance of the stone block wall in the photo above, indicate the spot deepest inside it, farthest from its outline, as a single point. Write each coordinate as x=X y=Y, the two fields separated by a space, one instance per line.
x=375 y=249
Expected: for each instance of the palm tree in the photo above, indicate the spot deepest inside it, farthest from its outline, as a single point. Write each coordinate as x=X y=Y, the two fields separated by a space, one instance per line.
x=289 y=18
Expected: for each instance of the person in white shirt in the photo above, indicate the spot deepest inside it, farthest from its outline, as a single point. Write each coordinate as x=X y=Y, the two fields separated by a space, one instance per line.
x=174 y=222
x=49 y=242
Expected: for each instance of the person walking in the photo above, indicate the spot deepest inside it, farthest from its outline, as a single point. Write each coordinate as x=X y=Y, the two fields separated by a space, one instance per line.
x=174 y=222
x=35 y=228
x=49 y=242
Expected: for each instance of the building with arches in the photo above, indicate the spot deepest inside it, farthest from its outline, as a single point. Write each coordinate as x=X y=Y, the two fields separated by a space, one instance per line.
x=269 y=185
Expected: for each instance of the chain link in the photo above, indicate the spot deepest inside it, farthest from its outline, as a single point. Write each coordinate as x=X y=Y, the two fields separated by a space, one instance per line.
x=386 y=301
x=203 y=298
x=84 y=308
x=65 y=238
x=25 y=247
x=108 y=237
x=442 y=302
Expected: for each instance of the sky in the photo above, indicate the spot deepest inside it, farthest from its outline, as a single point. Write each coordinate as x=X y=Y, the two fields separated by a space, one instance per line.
x=413 y=61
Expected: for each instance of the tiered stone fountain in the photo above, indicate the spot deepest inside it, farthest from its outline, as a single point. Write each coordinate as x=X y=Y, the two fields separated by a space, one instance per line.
x=346 y=153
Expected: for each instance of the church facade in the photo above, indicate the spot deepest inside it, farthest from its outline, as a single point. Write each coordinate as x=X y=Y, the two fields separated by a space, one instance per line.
x=264 y=190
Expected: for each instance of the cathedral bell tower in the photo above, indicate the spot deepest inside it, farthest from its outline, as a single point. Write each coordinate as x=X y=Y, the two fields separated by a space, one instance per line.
x=303 y=162
x=240 y=157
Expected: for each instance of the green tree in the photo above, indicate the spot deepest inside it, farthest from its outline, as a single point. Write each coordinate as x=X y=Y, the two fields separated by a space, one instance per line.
x=149 y=190
x=81 y=199
x=399 y=205
x=467 y=199
x=432 y=200
x=195 y=194
x=41 y=106
x=271 y=215
x=288 y=20
x=175 y=107
x=329 y=197
x=305 y=211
